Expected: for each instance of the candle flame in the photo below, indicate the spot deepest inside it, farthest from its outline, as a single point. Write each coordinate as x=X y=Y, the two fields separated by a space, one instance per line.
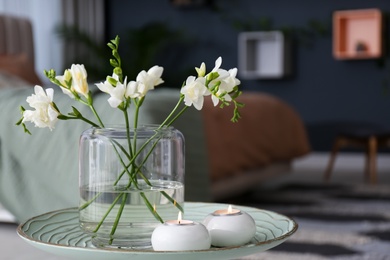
x=179 y=217
x=230 y=209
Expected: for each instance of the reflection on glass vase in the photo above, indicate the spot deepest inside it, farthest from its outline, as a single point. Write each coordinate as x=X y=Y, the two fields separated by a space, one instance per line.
x=130 y=181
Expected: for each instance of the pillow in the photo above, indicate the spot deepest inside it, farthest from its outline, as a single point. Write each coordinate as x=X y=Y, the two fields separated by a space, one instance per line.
x=19 y=65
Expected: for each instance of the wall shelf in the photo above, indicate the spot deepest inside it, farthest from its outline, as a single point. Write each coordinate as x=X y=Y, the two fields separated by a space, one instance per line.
x=263 y=55
x=357 y=34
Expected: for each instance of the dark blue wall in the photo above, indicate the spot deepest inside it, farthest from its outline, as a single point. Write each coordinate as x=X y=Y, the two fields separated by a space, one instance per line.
x=322 y=90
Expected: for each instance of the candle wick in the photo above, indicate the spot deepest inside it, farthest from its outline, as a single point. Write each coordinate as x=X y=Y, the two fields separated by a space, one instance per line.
x=179 y=222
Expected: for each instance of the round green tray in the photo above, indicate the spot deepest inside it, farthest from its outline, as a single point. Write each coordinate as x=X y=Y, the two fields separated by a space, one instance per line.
x=58 y=232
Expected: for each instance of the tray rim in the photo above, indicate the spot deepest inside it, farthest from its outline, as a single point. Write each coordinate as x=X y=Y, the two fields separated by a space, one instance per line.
x=281 y=238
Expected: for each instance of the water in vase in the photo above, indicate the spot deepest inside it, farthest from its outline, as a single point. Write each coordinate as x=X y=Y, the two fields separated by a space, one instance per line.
x=136 y=222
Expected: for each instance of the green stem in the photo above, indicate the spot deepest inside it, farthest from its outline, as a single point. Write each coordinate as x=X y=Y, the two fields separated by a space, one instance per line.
x=90 y=201
x=128 y=131
x=132 y=156
x=172 y=112
x=161 y=125
x=96 y=114
x=135 y=124
x=138 y=170
x=108 y=212
x=88 y=121
x=91 y=106
x=126 y=168
x=138 y=105
x=148 y=182
x=118 y=216
x=151 y=209
x=136 y=155
x=89 y=103
x=177 y=115
x=131 y=174
x=64 y=117
x=174 y=202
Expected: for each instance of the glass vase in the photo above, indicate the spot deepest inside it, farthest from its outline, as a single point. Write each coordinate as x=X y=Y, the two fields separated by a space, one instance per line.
x=130 y=181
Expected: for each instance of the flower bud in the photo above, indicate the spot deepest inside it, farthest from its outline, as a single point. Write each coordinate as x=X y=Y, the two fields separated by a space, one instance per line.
x=67 y=75
x=118 y=71
x=111 y=80
x=202 y=70
x=79 y=79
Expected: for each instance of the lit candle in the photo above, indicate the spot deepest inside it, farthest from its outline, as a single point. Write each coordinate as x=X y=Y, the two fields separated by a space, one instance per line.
x=229 y=211
x=230 y=227
x=180 y=235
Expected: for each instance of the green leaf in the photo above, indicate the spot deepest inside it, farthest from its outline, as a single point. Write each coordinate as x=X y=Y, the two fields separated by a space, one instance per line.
x=21 y=111
x=114 y=63
x=25 y=129
x=239 y=104
x=63 y=117
x=112 y=46
x=116 y=40
x=55 y=107
x=19 y=122
x=76 y=112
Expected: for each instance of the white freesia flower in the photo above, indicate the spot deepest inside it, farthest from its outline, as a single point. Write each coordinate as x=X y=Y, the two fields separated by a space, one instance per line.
x=44 y=115
x=228 y=82
x=148 y=80
x=218 y=63
x=133 y=91
x=117 y=93
x=79 y=79
x=194 y=91
x=145 y=81
x=231 y=80
x=105 y=86
x=62 y=79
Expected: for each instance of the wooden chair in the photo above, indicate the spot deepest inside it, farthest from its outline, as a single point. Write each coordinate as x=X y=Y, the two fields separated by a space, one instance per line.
x=370 y=139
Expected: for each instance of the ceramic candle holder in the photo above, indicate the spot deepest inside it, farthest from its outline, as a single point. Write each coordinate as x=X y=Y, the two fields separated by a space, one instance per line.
x=180 y=235
x=230 y=227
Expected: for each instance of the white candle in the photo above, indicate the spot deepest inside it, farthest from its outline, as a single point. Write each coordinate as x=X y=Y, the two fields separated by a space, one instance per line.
x=229 y=211
x=180 y=235
x=230 y=227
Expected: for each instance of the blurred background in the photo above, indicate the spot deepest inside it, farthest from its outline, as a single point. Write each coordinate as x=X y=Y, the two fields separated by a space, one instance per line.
x=326 y=92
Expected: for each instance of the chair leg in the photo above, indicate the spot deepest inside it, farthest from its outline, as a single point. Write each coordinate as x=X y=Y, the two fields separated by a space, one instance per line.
x=371 y=159
x=336 y=146
x=367 y=162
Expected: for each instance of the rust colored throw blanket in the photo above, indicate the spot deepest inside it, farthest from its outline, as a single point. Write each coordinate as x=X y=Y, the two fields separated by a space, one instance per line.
x=269 y=131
